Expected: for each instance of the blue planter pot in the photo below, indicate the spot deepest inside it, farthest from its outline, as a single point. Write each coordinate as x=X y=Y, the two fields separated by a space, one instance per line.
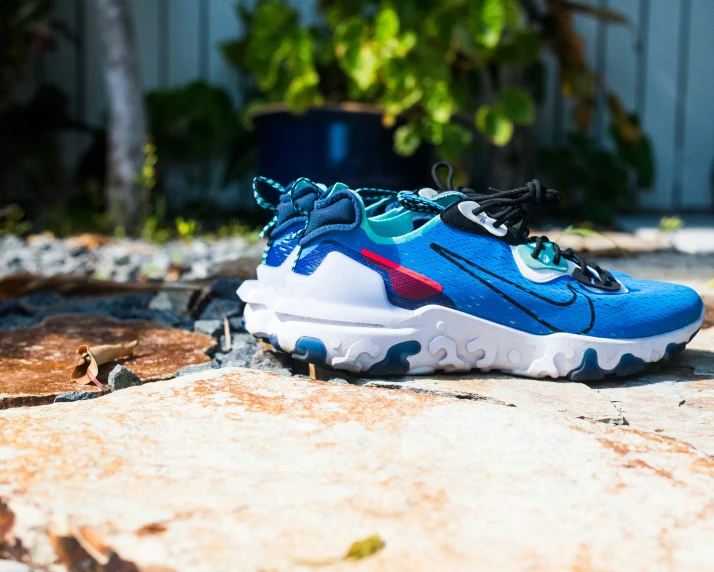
x=330 y=144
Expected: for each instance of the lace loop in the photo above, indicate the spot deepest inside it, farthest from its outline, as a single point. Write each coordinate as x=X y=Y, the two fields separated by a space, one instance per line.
x=449 y=177
x=516 y=218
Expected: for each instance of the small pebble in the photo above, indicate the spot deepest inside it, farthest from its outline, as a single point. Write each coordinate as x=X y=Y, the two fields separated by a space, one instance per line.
x=71 y=396
x=199 y=367
x=121 y=378
x=209 y=327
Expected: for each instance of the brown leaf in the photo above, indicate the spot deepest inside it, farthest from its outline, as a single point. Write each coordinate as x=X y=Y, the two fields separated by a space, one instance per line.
x=91 y=358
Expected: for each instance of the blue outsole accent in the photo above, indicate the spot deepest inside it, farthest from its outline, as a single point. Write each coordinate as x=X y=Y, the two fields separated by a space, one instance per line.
x=395 y=362
x=310 y=350
x=590 y=370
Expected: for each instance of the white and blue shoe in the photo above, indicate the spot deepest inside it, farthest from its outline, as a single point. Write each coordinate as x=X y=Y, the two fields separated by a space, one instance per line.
x=291 y=206
x=463 y=288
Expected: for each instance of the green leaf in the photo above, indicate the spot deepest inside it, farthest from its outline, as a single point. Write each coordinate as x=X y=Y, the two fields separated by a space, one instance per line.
x=407 y=139
x=356 y=54
x=456 y=141
x=493 y=122
x=488 y=18
x=520 y=48
x=439 y=103
x=303 y=92
x=518 y=105
x=386 y=26
x=514 y=15
x=670 y=223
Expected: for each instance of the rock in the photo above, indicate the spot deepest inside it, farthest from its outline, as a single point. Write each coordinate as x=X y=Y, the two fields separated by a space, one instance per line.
x=12 y=566
x=243 y=348
x=267 y=360
x=199 y=367
x=161 y=302
x=236 y=324
x=121 y=378
x=176 y=301
x=216 y=309
x=225 y=452
x=212 y=328
x=35 y=362
x=70 y=396
x=226 y=288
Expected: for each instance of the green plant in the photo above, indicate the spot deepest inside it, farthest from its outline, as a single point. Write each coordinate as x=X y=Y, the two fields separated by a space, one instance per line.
x=604 y=177
x=670 y=223
x=197 y=124
x=449 y=74
x=426 y=63
x=12 y=221
x=187 y=228
x=439 y=65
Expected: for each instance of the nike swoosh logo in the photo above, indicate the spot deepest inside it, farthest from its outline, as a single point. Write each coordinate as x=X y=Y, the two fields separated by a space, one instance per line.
x=405 y=283
x=569 y=306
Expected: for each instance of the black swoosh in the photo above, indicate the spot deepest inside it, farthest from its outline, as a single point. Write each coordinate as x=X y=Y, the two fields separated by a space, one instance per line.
x=464 y=264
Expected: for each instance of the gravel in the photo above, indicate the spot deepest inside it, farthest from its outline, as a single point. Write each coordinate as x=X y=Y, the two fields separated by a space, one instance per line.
x=71 y=396
x=189 y=369
x=209 y=327
x=131 y=260
x=121 y=378
x=123 y=260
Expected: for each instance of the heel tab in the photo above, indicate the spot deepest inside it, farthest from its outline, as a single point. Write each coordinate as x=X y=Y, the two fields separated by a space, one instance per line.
x=341 y=211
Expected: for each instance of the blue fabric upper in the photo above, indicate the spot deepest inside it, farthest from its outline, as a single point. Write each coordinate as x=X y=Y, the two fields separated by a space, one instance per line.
x=479 y=276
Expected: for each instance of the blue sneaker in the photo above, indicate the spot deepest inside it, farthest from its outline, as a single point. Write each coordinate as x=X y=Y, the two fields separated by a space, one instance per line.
x=290 y=206
x=467 y=289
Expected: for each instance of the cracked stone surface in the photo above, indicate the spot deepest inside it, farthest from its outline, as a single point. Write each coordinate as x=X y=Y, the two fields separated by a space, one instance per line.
x=239 y=468
x=35 y=362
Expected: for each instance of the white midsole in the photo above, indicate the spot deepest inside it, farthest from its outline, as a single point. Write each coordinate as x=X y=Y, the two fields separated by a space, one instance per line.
x=344 y=305
x=260 y=295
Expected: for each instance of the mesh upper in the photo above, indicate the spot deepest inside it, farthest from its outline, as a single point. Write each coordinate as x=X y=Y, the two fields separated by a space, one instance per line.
x=647 y=309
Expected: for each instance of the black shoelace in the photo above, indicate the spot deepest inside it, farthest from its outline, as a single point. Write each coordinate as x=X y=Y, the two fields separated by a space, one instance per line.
x=508 y=209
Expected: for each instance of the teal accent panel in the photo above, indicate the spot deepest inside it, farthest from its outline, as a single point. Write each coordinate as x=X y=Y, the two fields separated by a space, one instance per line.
x=544 y=260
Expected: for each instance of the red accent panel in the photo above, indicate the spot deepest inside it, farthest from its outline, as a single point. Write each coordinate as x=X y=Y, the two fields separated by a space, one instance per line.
x=405 y=283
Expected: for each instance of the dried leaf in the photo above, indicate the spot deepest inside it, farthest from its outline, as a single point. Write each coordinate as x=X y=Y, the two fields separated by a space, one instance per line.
x=90 y=359
x=365 y=547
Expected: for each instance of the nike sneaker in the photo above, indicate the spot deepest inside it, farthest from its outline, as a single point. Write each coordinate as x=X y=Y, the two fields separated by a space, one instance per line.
x=468 y=288
x=291 y=206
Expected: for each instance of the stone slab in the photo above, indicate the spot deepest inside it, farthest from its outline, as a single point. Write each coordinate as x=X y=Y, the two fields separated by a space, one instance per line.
x=35 y=362
x=238 y=469
x=572 y=400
